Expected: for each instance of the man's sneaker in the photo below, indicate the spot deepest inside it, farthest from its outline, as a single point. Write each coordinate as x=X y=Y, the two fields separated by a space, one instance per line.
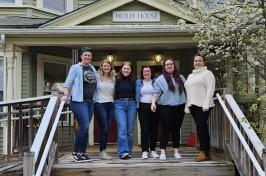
x=74 y=156
x=84 y=157
x=129 y=156
x=153 y=154
x=144 y=155
x=162 y=157
x=81 y=157
x=125 y=156
x=177 y=156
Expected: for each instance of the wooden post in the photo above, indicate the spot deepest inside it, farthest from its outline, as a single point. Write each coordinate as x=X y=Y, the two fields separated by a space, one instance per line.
x=28 y=164
x=264 y=159
x=56 y=93
x=227 y=127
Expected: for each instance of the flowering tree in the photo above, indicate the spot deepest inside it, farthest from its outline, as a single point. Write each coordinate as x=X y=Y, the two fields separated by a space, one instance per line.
x=234 y=31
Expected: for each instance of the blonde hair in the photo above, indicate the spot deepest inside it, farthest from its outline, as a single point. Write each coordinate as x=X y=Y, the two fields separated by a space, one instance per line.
x=111 y=73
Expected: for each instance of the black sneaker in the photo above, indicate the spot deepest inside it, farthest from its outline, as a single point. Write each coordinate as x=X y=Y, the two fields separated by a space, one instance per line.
x=81 y=157
x=84 y=157
x=74 y=156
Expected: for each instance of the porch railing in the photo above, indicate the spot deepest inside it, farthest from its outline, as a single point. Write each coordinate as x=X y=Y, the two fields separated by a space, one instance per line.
x=232 y=134
x=20 y=121
x=20 y=115
x=30 y=158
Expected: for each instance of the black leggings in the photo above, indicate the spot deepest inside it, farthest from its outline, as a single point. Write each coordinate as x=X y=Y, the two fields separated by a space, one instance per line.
x=201 y=120
x=171 y=118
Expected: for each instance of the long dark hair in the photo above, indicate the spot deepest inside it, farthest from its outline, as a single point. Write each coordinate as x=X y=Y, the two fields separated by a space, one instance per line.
x=203 y=57
x=146 y=66
x=176 y=76
x=131 y=78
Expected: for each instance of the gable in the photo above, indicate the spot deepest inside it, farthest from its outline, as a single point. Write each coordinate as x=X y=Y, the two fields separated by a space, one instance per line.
x=107 y=18
x=100 y=13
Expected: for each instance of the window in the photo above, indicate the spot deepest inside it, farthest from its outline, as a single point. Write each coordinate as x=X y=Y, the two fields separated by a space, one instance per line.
x=1 y=82
x=56 y=5
x=7 y=1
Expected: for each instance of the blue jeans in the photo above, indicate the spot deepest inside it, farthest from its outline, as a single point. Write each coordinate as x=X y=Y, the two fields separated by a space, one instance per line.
x=125 y=115
x=83 y=112
x=104 y=113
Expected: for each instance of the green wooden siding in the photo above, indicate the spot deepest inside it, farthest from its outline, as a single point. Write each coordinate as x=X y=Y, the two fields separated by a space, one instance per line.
x=106 y=19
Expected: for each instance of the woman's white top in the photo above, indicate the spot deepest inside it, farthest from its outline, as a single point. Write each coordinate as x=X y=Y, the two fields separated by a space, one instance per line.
x=146 y=92
x=106 y=90
x=200 y=86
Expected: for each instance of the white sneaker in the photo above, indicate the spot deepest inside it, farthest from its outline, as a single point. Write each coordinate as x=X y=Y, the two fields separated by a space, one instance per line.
x=177 y=156
x=162 y=157
x=144 y=155
x=153 y=154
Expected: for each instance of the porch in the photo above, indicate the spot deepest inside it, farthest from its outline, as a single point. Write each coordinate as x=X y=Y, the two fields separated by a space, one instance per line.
x=134 y=166
x=232 y=141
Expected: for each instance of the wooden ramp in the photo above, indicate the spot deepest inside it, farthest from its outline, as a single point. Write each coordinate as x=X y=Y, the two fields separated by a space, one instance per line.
x=136 y=166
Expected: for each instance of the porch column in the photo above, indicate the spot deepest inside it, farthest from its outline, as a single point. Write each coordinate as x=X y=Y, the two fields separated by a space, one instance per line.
x=10 y=77
x=9 y=94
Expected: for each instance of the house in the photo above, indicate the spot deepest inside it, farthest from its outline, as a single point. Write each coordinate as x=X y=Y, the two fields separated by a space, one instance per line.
x=40 y=40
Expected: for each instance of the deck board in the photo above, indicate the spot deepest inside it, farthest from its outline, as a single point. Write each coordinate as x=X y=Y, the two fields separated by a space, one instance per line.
x=134 y=166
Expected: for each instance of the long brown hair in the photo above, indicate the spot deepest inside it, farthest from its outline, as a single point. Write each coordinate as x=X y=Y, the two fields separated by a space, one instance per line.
x=176 y=76
x=111 y=73
x=130 y=77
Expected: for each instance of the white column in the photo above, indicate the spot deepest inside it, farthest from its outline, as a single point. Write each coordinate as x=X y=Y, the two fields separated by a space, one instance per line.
x=91 y=129
x=9 y=92
x=10 y=56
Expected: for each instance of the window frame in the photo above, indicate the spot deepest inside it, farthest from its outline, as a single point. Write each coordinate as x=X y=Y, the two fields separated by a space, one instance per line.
x=49 y=9
x=15 y=2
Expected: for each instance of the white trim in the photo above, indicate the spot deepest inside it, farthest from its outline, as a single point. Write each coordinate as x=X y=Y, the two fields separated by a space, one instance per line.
x=4 y=77
x=136 y=16
x=11 y=3
x=41 y=58
x=18 y=75
x=39 y=5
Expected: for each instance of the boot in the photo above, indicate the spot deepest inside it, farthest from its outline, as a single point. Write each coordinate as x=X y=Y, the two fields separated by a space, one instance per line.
x=201 y=157
x=105 y=156
x=208 y=155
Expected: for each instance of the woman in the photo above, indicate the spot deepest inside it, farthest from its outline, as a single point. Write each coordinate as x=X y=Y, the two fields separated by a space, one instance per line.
x=125 y=110
x=169 y=93
x=200 y=86
x=82 y=81
x=104 y=107
x=148 y=119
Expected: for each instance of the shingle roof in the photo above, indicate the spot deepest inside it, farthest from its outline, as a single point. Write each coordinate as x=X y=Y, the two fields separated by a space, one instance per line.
x=21 y=22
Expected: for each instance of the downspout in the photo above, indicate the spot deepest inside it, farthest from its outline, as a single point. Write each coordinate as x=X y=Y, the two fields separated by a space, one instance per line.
x=3 y=47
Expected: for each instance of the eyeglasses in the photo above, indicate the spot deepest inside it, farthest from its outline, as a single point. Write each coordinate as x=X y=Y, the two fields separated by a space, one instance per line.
x=171 y=64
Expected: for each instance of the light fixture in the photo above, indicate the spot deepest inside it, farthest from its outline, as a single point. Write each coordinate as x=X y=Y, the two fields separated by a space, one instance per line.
x=110 y=57
x=158 y=57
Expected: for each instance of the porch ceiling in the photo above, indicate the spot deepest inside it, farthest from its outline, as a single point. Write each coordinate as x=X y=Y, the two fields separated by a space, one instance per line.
x=152 y=46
